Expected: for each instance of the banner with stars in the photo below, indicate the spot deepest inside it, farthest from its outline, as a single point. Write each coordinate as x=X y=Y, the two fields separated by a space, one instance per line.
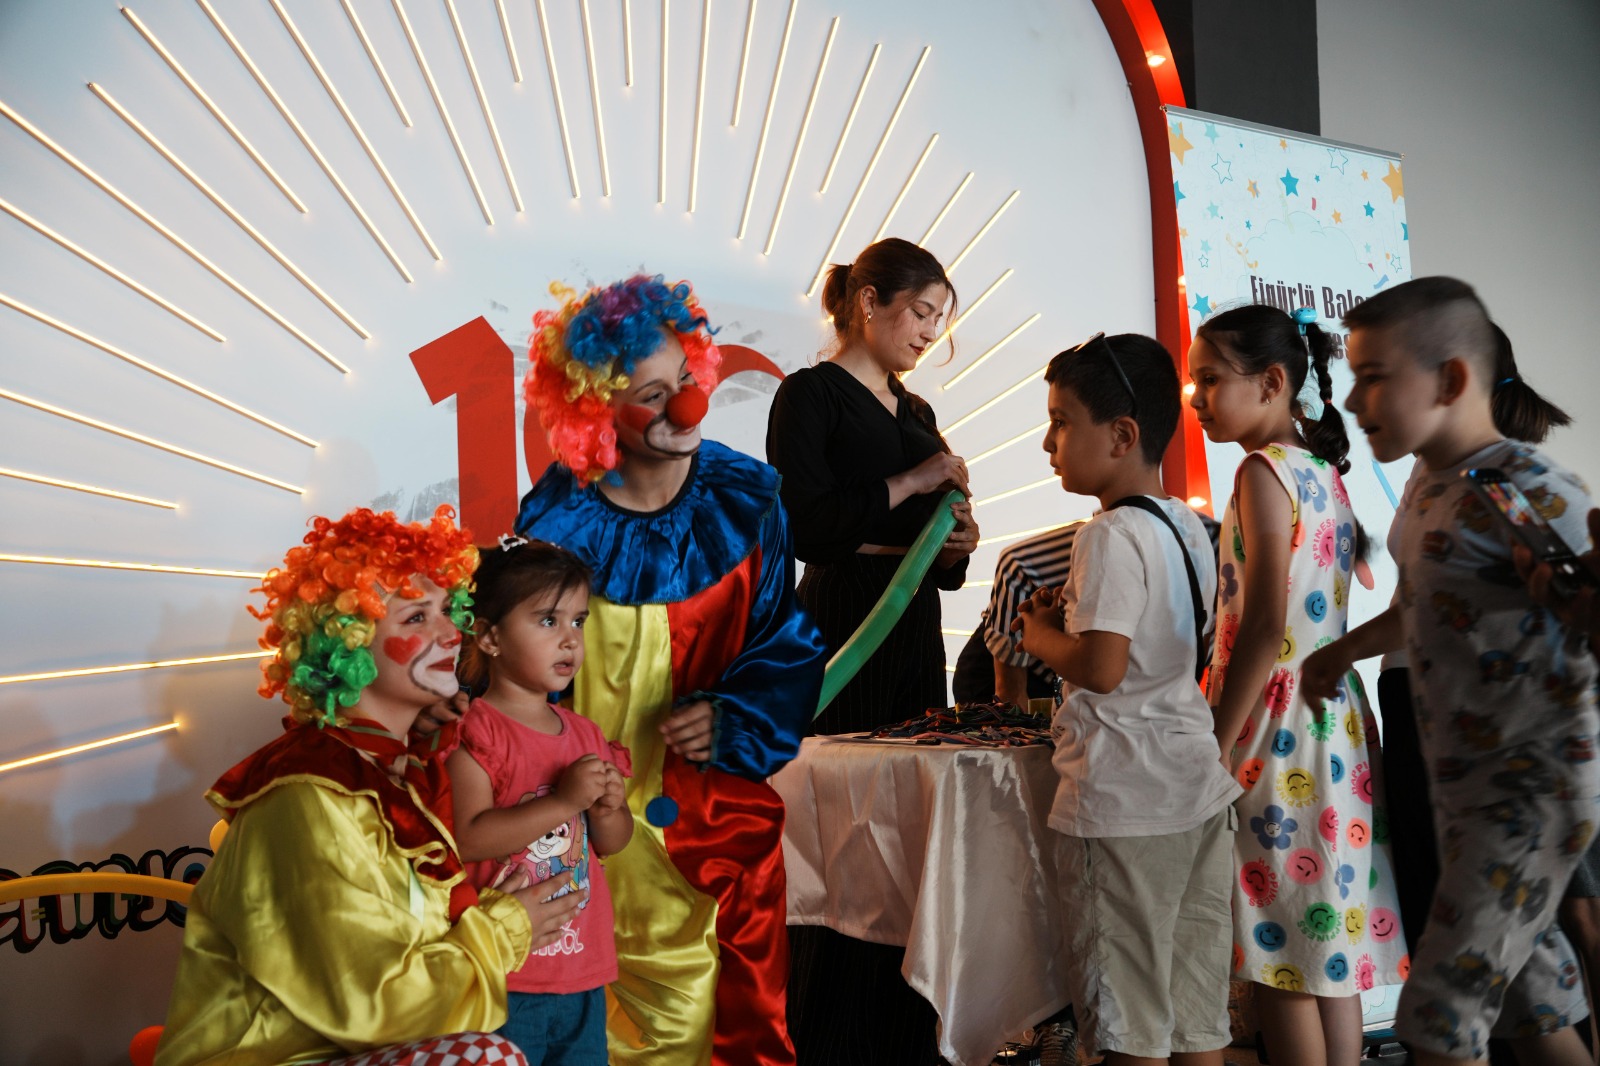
x=1271 y=216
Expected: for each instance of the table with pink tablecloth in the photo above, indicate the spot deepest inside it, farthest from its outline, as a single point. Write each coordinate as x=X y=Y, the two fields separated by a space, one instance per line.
x=943 y=850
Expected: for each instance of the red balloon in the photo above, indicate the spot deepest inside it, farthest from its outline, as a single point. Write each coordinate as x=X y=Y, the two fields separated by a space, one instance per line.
x=142 y=1048
x=688 y=407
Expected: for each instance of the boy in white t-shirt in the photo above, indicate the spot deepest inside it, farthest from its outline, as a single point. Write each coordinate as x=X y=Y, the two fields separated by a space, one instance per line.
x=1144 y=803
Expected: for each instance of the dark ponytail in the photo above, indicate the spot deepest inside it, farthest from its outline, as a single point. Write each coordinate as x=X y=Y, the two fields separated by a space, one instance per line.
x=1256 y=336
x=1325 y=437
x=1519 y=412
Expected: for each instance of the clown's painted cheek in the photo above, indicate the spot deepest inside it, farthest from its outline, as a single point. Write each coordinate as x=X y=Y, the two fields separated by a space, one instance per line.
x=688 y=407
x=403 y=649
x=636 y=417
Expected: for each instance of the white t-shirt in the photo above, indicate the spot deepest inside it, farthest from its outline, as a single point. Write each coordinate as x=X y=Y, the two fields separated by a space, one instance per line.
x=1140 y=760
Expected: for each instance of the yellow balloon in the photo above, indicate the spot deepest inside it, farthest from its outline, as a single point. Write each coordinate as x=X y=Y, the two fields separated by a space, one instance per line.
x=218 y=831
x=90 y=883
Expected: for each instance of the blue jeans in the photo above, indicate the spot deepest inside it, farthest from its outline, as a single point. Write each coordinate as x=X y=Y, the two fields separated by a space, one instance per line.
x=558 y=1028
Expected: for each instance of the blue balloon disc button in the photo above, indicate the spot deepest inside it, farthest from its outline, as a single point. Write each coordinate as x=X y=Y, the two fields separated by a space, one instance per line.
x=661 y=812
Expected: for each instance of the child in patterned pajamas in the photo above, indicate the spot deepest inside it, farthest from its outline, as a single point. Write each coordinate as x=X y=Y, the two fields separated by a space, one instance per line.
x=1504 y=693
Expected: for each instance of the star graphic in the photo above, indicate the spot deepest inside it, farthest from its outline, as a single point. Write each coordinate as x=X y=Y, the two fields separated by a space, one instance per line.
x=1367 y=207
x=1205 y=260
x=1394 y=263
x=1290 y=184
x=1396 y=183
x=1252 y=190
x=1337 y=218
x=1178 y=193
x=1363 y=175
x=1202 y=304
x=1283 y=144
x=1178 y=142
x=1211 y=133
x=1205 y=246
x=1369 y=247
x=1405 y=231
x=1247 y=224
x=1213 y=211
x=1337 y=160
x=1223 y=168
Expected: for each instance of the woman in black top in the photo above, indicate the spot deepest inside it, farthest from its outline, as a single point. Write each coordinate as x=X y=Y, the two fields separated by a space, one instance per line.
x=863 y=468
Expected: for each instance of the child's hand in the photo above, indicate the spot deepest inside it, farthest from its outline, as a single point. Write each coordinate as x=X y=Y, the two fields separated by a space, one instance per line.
x=1581 y=610
x=583 y=782
x=688 y=730
x=1322 y=672
x=1039 y=611
x=616 y=795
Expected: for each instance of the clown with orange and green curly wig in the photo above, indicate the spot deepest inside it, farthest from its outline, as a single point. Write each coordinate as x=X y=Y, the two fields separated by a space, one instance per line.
x=336 y=918
x=324 y=603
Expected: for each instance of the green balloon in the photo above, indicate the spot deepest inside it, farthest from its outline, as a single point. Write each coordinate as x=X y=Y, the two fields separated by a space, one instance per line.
x=892 y=604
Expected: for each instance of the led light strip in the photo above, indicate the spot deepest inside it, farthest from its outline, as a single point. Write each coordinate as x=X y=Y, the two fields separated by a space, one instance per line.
x=483 y=105
x=850 y=119
x=216 y=112
x=40 y=405
x=744 y=62
x=58 y=483
x=594 y=97
x=555 y=90
x=965 y=314
x=969 y=416
x=699 y=105
x=94 y=260
x=183 y=383
x=1018 y=439
x=923 y=158
x=1029 y=487
x=661 y=168
x=511 y=48
x=77 y=748
x=627 y=43
x=125 y=668
x=945 y=210
x=995 y=347
x=151 y=221
x=800 y=137
x=444 y=112
x=1003 y=537
x=103 y=564
x=986 y=227
x=377 y=64
x=355 y=127
x=877 y=153
x=228 y=209
x=766 y=119
x=305 y=138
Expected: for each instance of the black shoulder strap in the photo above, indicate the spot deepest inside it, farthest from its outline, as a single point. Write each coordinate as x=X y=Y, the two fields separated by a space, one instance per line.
x=1145 y=503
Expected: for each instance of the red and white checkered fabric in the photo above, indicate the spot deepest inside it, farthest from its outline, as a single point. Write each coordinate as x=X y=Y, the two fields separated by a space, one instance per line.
x=459 y=1049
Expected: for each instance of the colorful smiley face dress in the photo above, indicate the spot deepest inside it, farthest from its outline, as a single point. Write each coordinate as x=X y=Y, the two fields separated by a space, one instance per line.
x=1314 y=905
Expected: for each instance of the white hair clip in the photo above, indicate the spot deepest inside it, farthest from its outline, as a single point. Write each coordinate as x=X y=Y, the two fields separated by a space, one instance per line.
x=511 y=540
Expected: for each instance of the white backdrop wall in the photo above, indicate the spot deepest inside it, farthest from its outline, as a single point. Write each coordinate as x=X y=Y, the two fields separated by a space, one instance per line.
x=1497 y=109
x=1028 y=98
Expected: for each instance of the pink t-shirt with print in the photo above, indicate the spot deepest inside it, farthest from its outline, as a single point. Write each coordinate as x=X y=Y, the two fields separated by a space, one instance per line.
x=522 y=764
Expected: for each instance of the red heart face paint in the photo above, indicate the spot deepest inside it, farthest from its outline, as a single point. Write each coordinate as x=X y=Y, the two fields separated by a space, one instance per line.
x=403 y=649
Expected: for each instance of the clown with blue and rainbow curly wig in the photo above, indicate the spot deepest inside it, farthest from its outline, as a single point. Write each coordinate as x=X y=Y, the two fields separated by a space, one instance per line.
x=584 y=376
x=698 y=659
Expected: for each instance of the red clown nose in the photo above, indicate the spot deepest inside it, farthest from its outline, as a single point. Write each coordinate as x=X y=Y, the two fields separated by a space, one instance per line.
x=688 y=407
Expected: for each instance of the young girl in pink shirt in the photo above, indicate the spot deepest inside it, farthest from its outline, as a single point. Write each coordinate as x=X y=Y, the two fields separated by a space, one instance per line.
x=539 y=791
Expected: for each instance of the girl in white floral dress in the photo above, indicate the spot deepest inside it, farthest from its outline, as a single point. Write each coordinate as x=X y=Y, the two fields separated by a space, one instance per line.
x=1316 y=919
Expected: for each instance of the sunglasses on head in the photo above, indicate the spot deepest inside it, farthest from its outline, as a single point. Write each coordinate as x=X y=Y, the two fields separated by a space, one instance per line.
x=1116 y=364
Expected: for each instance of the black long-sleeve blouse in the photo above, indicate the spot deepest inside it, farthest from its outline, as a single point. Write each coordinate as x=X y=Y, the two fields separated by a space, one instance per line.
x=835 y=444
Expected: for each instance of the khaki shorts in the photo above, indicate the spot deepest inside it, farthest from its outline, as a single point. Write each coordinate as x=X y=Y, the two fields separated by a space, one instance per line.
x=1150 y=935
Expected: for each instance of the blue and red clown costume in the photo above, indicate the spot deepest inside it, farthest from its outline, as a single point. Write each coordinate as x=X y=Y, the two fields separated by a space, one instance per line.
x=692 y=602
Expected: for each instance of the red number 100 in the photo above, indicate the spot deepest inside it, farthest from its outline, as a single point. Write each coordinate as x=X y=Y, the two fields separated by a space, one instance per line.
x=475 y=366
